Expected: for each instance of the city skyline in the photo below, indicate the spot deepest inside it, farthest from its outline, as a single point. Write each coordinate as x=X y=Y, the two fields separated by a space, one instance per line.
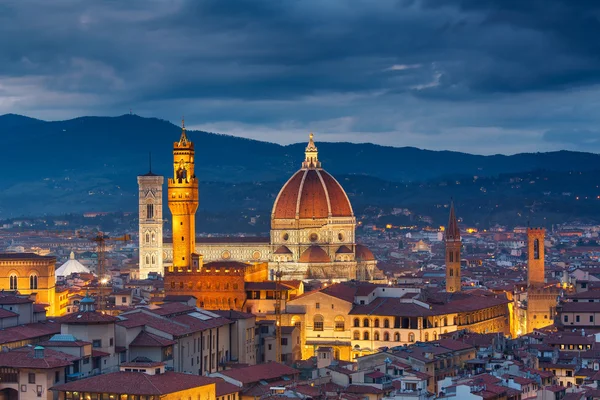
x=483 y=78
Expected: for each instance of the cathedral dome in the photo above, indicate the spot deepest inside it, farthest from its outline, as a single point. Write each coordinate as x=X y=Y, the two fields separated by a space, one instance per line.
x=311 y=193
x=314 y=254
x=363 y=253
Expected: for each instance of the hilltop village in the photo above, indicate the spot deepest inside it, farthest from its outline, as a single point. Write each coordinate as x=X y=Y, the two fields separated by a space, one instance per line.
x=314 y=310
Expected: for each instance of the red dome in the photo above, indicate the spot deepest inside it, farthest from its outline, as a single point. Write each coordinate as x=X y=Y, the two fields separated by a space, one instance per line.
x=314 y=254
x=363 y=253
x=312 y=193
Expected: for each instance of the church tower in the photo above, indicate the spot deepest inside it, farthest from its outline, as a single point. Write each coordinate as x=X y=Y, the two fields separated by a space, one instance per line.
x=453 y=244
x=151 y=223
x=183 y=201
x=535 y=256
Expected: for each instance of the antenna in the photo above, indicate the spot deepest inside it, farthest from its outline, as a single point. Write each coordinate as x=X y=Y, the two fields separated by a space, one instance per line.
x=150 y=160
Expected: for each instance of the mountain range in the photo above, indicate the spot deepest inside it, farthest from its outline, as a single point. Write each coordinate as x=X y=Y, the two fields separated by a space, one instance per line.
x=91 y=164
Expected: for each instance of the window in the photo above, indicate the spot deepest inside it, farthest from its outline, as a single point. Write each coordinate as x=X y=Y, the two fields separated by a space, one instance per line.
x=13 y=282
x=577 y=318
x=339 y=324
x=284 y=341
x=386 y=336
x=397 y=337
x=270 y=346
x=366 y=322
x=386 y=323
x=566 y=318
x=451 y=259
x=317 y=305
x=451 y=271
x=56 y=376
x=111 y=341
x=33 y=281
x=376 y=336
x=376 y=322
x=591 y=318
x=411 y=337
x=356 y=335
x=153 y=259
x=97 y=343
x=356 y=322
x=318 y=323
x=427 y=336
x=123 y=299
x=86 y=360
x=149 y=211
x=536 y=249
x=147 y=238
x=31 y=377
x=365 y=335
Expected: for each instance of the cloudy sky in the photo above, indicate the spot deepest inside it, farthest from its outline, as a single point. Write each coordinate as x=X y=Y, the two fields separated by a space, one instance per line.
x=480 y=76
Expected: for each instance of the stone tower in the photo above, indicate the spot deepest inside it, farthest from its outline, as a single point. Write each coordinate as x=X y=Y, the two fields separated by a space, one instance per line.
x=151 y=223
x=453 y=244
x=183 y=201
x=535 y=256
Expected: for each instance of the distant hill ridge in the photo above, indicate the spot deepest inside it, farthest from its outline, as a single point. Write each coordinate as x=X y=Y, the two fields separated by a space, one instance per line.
x=92 y=162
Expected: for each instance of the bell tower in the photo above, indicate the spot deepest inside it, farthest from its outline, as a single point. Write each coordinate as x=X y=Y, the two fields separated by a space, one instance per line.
x=183 y=201
x=535 y=256
x=151 y=223
x=453 y=244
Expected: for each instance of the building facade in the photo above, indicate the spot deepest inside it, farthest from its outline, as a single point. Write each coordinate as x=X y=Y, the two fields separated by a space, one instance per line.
x=151 y=224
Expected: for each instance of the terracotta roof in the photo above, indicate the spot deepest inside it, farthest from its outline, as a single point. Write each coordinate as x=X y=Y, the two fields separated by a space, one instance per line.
x=311 y=193
x=314 y=254
x=167 y=309
x=363 y=253
x=366 y=389
x=255 y=373
x=146 y=339
x=6 y=299
x=147 y=363
x=224 y=388
x=90 y=317
x=29 y=331
x=24 y=256
x=282 y=250
x=388 y=306
x=98 y=353
x=7 y=314
x=136 y=383
x=233 y=315
x=343 y=250
x=341 y=291
x=24 y=358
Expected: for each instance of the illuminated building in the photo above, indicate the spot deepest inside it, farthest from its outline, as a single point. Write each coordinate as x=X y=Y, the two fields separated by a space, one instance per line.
x=31 y=275
x=312 y=236
x=535 y=304
x=453 y=244
x=151 y=223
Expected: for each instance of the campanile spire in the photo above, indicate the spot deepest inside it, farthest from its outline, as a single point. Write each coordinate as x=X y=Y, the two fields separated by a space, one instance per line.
x=453 y=245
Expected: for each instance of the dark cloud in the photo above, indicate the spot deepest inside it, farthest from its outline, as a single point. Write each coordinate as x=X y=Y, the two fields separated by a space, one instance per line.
x=457 y=74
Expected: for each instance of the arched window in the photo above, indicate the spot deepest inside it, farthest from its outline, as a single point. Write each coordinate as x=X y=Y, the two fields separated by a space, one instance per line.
x=451 y=272
x=147 y=259
x=386 y=323
x=397 y=337
x=33 y=281
x=340 y=324
x=318 y=323
x=457 y=257
x=434 y=335
x=149 y=211
x=427 y=336
x=297 y=322
x=376 y=336
x=366 y=322
x=386 y=336
x=356 y=335
x=153 y=259
x=376 y=322
x=356 y=322
x=153 y=237
x=445 y=321
x=411 y=337
x=13 y=282
x=536 y=249
x=365 y=335
x=454 y=321
x=451 y=256
x=147 y=238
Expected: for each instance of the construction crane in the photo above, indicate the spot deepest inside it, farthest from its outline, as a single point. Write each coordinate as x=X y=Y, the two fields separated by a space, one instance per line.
x=278 y=314
x=100 y=239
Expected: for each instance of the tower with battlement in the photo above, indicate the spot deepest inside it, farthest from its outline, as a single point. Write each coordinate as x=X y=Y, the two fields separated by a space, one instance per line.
x=151 y=223
x=183 y=201
x=453 y=245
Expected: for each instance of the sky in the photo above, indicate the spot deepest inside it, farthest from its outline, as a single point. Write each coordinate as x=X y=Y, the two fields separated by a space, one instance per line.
x=478 y=76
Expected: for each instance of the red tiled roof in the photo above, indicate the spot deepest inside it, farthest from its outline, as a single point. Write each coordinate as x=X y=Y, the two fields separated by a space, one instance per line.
x=283 y=250
x=98 y=353
x=136 y=383
x=85 y=318
x=314 y=254
x=363 y=253
x=7 y=314
x=363 y=389
x=29 y=331
x=168 y=309
x=145 y=339
x=23 y=357
x=255 y=373
x=58 y=343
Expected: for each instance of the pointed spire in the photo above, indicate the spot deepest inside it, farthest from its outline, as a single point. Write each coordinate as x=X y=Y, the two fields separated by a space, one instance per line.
x=150 y=161
x=452 y=230
x=311 y=159
x=183 y=141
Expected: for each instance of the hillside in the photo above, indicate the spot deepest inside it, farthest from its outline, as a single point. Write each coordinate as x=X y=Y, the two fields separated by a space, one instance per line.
x=91 y=163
